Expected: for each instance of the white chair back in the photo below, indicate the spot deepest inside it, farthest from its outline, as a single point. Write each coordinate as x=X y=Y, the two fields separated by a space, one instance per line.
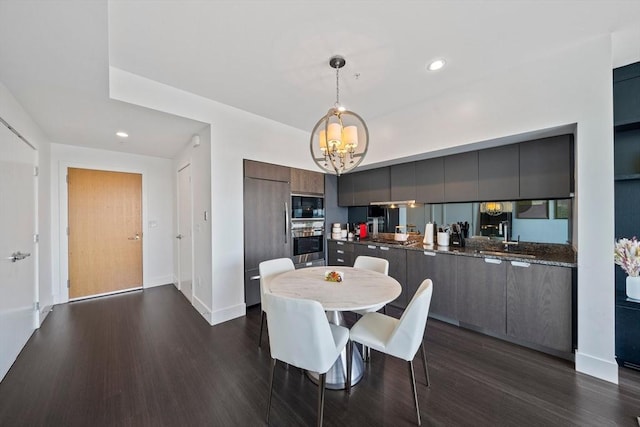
x=299 y=333
x=372 y=263
x=409 y=331
x=270 y=268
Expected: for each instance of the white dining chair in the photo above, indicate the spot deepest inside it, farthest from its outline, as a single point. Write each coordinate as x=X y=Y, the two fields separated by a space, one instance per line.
x=300 y=335
x=269 y=269
x=400 y=338
x=379 y=265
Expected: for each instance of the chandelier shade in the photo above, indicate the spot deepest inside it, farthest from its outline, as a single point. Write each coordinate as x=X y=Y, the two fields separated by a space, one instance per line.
x=340 y=139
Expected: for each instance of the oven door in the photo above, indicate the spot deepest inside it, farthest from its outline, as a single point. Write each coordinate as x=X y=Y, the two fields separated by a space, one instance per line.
x=308 y=248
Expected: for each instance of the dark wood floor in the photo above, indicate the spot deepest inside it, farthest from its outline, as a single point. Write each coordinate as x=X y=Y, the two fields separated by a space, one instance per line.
x=148 y=359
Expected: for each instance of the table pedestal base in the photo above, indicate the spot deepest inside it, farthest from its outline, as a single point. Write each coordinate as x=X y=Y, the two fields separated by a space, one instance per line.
x=337 y=375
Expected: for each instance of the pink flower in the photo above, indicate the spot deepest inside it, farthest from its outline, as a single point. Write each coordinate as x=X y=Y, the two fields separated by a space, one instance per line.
x=627 y=255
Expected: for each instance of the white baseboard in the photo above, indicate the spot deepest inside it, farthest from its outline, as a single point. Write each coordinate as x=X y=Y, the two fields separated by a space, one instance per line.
x=158 y=281
x=202 y=308
x=604 y=369
x=228 y=313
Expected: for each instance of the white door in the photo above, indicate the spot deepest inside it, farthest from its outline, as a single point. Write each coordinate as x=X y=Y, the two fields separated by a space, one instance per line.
x=17 y=247
x=185 y=240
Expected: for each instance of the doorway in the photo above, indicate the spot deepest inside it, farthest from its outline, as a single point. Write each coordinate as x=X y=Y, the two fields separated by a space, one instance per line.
x=185 y=241
x=105 y=232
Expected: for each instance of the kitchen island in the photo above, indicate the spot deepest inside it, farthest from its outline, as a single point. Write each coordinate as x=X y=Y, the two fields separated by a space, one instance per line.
x=526 y=296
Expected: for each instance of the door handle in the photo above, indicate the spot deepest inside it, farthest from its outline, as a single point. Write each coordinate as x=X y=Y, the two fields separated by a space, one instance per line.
x=179 y=236
x=137 y=237
x=18 y=256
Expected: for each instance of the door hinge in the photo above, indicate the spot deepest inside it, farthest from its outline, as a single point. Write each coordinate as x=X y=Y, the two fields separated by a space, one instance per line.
x=68 y=284
x=35 y=171
x=36 y=238
x=36 y=306
x=67 y=231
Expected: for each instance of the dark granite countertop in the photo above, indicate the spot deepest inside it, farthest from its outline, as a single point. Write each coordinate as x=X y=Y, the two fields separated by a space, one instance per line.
x=533 y=253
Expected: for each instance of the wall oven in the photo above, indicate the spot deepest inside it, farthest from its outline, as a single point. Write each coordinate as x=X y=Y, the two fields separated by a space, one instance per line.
x=307 y=241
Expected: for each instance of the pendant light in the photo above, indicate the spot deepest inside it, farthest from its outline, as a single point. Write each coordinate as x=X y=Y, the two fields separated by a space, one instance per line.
x=340 y=139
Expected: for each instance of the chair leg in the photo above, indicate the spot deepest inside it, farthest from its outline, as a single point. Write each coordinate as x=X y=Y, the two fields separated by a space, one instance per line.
x=413 y=387
x=424 y=364
x=273 y=370
x=321 y=385
x=262 y=319
x=349 y=363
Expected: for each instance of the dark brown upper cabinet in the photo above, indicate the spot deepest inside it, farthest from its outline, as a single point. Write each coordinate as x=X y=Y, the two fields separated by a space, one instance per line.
x=430 y=180
x=546 y=168
x=499 y=173
x=403 y=181
x=461 y=177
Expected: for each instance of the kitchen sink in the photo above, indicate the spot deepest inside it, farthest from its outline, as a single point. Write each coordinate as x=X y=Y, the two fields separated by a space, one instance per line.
x=512 y=254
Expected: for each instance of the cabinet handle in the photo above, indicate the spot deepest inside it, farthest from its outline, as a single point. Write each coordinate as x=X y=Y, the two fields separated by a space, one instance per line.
x=371 y=246
x=286 y=222
x=340 y=260
x=340 y=243
x=492 y=261
x=309 y=264
x=429 y=253
x=340 y=251
x=520 y=264
x=254 y=278
x=384 y=248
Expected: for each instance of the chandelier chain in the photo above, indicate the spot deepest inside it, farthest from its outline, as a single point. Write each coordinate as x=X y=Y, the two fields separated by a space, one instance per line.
x=337 y=87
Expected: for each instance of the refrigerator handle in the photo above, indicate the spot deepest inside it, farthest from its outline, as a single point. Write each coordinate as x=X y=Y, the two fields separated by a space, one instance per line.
x=286 y=223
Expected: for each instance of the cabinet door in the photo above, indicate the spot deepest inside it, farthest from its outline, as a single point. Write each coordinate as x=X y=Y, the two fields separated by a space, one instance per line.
x=379 y=184
x=539 y=304
x=461 y=177
x=398 y=270
x=265 y=221
x=430 y=180
x=626 y=101
x=253 y=169
x=546 y=168
x=499 y=173
x=306 y=182
x=345 y=190
x=441 y=269
x=482 y=293
x=403 y=181
x=360 y=182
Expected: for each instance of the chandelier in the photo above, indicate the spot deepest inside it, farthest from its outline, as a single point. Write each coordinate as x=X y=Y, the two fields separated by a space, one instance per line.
x=493 y=208
x=340 y=139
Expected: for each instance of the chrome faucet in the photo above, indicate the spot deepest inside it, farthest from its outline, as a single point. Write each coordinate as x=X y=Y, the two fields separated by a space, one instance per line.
x=504 y=230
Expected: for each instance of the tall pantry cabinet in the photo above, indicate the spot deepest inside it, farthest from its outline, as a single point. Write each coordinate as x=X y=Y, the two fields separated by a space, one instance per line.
x=267 y=194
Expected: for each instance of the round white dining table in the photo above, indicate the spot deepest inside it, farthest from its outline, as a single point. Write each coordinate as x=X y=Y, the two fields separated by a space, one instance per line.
x=360 y=289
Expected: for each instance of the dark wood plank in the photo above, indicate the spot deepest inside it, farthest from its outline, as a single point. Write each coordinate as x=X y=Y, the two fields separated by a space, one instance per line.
x=147 y=358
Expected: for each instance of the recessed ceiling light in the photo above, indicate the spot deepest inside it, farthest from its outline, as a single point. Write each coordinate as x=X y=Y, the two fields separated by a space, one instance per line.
x=436 y=65
x=122 y=134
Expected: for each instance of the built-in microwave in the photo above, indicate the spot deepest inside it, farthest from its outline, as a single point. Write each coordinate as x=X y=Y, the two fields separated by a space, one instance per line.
x=307 y=207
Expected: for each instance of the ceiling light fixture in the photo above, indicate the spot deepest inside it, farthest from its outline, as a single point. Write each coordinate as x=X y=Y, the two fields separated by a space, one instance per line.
x=436 y=65
x=122 y=134
x=340 y=139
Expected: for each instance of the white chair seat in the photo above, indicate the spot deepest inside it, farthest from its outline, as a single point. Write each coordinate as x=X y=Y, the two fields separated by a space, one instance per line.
x=379 y=265
x=340 y=336
x=374 y=330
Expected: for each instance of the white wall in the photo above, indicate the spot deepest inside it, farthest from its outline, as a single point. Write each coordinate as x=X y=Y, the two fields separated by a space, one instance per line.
x=199 y=159
x=157 y=206
x=13 y=113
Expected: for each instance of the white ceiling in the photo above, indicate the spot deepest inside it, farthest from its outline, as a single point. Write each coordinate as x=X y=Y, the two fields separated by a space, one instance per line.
x=271 y=57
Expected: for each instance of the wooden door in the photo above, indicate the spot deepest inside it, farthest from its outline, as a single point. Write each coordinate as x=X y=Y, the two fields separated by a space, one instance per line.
x=105 y=232
x=17 y=248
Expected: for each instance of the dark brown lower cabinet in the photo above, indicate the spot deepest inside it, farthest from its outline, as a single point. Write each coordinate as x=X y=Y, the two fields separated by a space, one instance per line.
x=539 y=305
x=482 y=294
x=397 y=258
x=340 y=253
x=441 y=269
